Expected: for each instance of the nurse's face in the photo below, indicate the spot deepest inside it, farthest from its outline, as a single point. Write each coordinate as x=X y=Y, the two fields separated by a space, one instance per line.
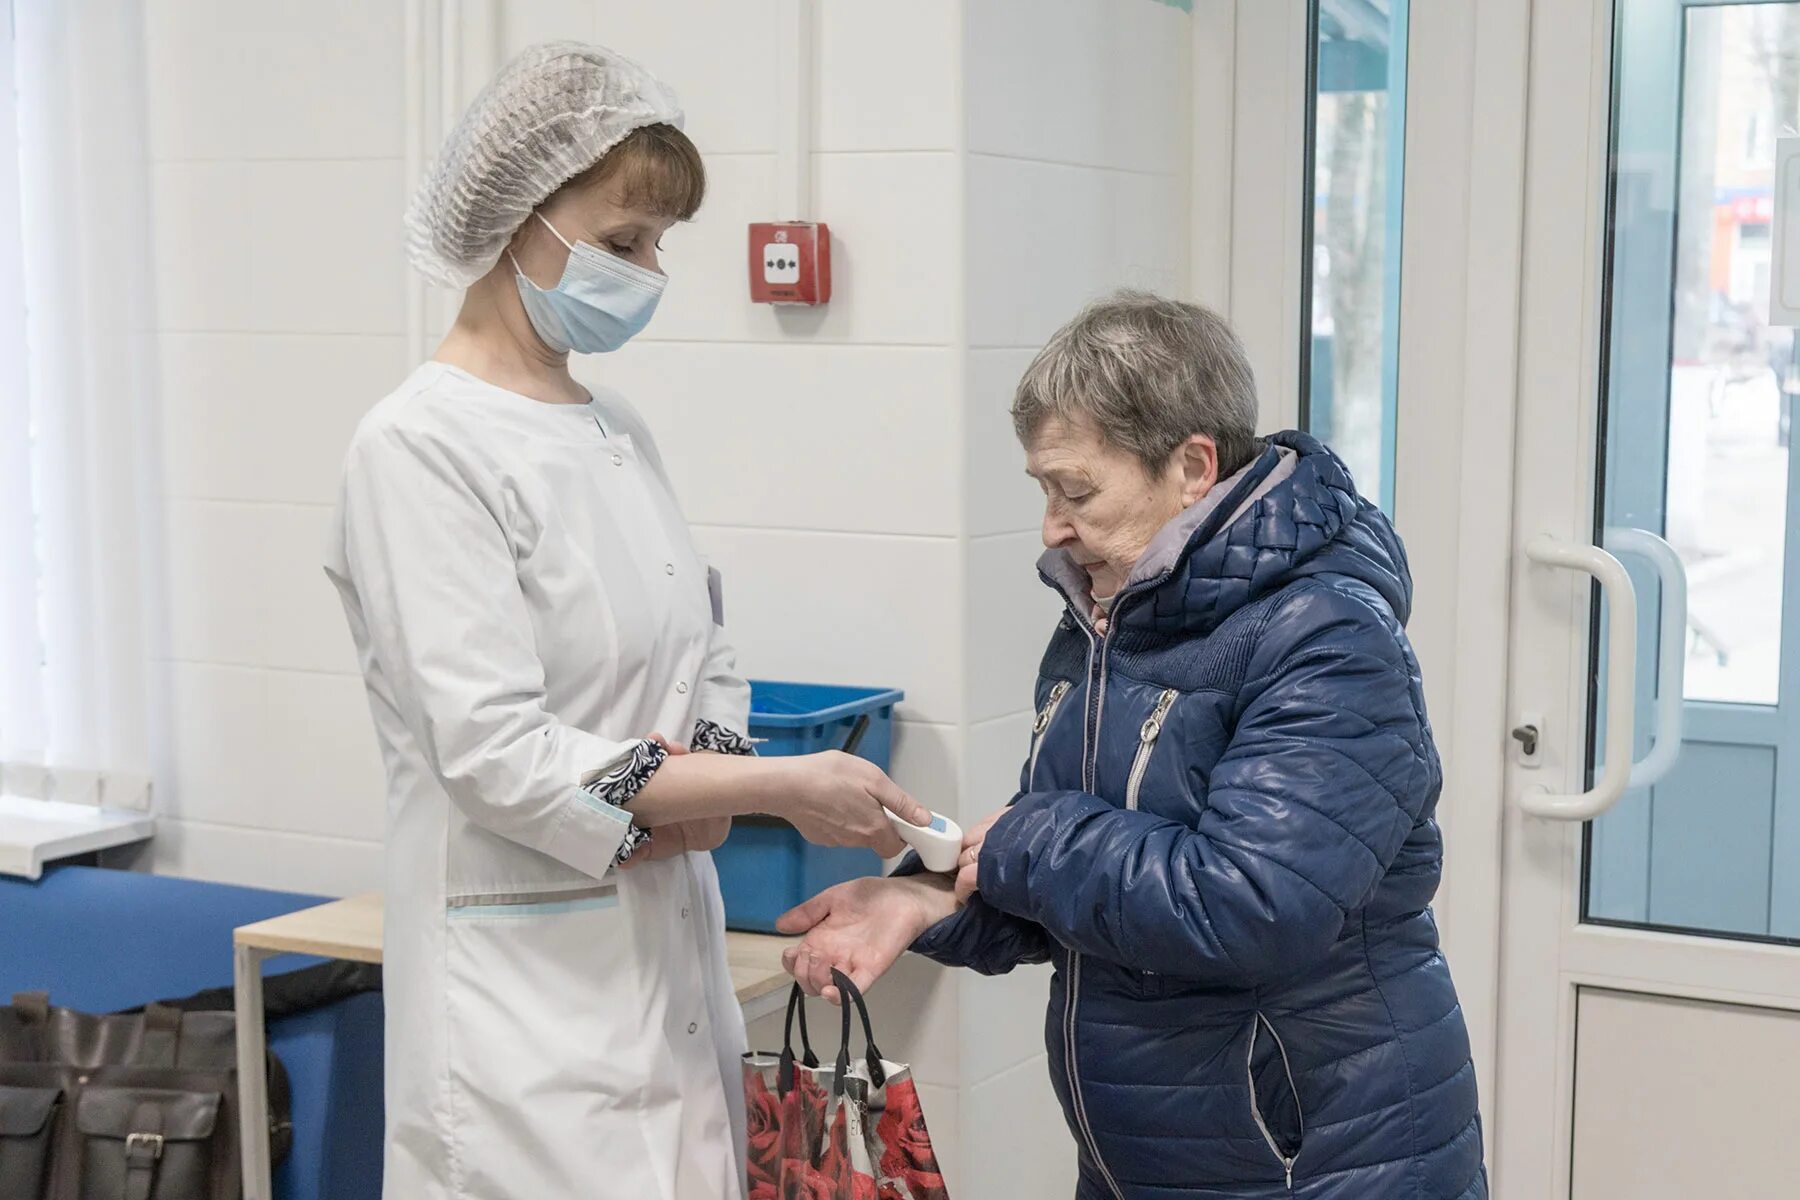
x=591 y=213
x=1102 y=505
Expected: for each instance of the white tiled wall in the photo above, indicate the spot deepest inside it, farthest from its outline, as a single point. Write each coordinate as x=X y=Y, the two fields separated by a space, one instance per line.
x=986 y=166
x=1075 y=184
x=276 y=135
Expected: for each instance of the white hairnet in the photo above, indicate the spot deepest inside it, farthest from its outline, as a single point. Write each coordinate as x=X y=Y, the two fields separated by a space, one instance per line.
x=549 y=115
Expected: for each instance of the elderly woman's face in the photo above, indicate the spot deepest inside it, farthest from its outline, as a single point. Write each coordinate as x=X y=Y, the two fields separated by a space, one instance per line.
x=1101 y=505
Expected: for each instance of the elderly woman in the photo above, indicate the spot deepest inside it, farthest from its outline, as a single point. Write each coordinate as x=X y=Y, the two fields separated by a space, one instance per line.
x=1223 y=837
x=531 y=618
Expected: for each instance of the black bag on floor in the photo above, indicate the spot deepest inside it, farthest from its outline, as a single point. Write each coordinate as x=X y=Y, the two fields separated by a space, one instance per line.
x=142 y=1105
x=126 y=1106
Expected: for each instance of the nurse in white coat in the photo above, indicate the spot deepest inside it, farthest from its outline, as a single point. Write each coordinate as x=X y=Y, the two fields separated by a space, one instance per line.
x=543 y=649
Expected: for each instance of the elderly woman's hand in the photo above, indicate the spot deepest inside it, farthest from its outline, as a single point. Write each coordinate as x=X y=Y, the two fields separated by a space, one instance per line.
x=861 y=928
x=967 y=866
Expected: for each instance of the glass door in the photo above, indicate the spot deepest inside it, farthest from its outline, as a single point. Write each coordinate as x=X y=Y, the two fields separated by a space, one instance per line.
x=1698 y=391
x=1355 y=134
x=1652 y=839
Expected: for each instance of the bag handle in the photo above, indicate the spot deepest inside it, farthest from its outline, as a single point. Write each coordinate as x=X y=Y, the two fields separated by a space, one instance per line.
x=33 y=1006
x=785 y=1078
x=34 y=1013
x=162 y=1036
x=851 y=995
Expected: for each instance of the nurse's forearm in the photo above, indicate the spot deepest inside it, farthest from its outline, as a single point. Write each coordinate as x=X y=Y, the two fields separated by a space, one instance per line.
x=692 y=787
x=833 y=799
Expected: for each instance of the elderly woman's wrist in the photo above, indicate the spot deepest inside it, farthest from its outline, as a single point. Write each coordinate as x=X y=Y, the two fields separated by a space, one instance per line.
x=933 y=898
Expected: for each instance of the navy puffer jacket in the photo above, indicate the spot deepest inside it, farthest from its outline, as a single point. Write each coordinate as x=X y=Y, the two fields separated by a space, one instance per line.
x=1224 y=841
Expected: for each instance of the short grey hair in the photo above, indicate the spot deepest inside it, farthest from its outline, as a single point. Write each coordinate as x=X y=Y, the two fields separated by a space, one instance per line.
x=1150 y=373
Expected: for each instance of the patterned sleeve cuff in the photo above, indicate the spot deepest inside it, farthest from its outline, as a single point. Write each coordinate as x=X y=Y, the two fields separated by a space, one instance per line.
x=620 y=786
x=714 y=737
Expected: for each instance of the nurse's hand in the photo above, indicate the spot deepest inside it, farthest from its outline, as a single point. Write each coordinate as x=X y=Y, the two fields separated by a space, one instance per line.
x=861 y=928
x=681 y=836
x=666 y=841
x=837 y=799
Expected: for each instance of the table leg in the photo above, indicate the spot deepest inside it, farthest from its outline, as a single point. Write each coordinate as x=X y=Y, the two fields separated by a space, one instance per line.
x=253 y=1084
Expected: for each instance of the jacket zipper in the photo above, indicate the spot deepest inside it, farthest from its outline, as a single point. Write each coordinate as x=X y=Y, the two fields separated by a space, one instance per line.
x=1092 y=766
x=1146 y=743
x=1089 y=741
x=1081 y=1117
x=1045 y=715
x=1286 y=1160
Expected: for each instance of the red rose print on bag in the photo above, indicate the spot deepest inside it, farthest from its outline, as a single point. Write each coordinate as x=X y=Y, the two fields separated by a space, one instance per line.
x=906 y=1153
x=763 y=1117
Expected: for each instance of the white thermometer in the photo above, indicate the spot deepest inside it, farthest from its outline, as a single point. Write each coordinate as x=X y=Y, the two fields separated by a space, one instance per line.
x=939 y=844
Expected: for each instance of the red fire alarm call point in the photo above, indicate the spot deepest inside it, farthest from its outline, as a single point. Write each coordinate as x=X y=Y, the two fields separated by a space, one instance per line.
x=790 y=262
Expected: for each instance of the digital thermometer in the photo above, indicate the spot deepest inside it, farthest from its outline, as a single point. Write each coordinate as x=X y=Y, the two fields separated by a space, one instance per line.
x=939 y=844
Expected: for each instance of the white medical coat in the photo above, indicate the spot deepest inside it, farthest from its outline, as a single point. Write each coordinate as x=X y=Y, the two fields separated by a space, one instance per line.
x=526 y=602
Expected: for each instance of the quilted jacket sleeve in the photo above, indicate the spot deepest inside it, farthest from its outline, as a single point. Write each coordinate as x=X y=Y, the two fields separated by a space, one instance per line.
x=979 y=936
x=1329 y=768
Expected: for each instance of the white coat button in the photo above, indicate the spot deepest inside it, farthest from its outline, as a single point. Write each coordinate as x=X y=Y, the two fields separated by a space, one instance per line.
x=682 y=688
x=618 y=460
x=669 y=567
x=693 y=1027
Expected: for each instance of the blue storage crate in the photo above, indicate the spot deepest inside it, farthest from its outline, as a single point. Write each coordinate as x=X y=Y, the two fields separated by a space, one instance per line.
x=766 y=867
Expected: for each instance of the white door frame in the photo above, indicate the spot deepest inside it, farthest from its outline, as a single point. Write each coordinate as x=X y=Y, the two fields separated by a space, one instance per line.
x=1248 y=190
x=1459 y=314
x=1547 y=954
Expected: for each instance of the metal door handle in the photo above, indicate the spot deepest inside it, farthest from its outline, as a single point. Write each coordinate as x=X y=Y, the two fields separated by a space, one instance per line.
x=1671 y=650
x=1621 y=681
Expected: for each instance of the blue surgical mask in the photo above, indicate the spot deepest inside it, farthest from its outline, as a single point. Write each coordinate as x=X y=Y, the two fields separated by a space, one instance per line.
x=600 y=303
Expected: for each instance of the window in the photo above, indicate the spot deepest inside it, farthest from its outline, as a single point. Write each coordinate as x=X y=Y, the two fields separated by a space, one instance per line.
x=1698 y=391
x=21 y=646
x=1356 y=119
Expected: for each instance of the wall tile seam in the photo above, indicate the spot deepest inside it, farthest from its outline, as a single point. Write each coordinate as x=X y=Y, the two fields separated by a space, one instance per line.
x=273 y=668
x=180 y=160
x=268 y=830
x=1076 y=165
x=811 y=531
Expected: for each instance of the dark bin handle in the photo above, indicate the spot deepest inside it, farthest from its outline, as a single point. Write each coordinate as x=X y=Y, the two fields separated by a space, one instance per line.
x=856 y=734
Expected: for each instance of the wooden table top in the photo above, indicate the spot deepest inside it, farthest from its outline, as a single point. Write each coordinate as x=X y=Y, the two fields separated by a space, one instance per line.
x=351 y=929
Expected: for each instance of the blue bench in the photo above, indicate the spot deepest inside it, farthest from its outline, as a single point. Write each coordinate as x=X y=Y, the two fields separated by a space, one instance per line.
x=101 y=940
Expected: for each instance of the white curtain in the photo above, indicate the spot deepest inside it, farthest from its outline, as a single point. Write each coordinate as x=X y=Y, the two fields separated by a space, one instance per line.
x=78 y=430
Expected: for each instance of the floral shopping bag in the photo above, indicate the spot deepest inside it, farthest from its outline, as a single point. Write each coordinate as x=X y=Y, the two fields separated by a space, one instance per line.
x=851 y=1131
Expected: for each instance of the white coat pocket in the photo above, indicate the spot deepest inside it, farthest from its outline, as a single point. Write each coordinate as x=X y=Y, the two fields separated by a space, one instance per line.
x=555 y=1079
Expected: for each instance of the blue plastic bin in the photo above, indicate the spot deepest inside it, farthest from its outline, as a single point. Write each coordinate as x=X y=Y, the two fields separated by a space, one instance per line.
x=766 y=867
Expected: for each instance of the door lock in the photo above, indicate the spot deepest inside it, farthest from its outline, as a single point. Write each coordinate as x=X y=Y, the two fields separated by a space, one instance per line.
x=1527 y=737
